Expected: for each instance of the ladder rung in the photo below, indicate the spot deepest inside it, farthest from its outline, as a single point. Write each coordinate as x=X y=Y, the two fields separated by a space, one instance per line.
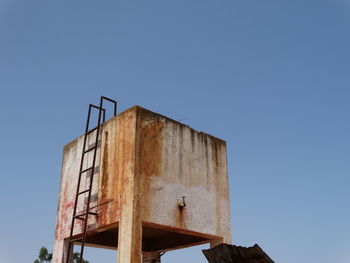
x=90 y=131
x=93 y=213
x=87 y=169
x=83 y=192
x=79 y=216
x=90 y=149
x=83 y=214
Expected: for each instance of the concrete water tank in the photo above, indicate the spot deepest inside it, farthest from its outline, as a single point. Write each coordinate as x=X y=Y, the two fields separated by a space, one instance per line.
x=159 y=185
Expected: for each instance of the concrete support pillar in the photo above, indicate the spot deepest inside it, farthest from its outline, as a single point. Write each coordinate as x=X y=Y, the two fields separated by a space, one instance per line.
x=130 y=234
x=151 y=257
x=216 y=242
x=130 y=223
x=61 y=251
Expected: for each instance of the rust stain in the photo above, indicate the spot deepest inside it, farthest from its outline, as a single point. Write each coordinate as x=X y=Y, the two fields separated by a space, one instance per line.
x=104 y=193
x=124 y=156
x=180 y=218
x=221 y=187
x=117 y=159
x=65 y=214
x=122 y=162
x=193 y=133
x=149 y=146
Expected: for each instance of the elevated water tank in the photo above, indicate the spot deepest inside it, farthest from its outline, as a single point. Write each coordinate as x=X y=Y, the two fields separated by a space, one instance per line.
x=159 y=185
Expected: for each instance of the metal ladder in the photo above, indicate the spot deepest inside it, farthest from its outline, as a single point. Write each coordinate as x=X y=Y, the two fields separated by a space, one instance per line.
x=84 y=215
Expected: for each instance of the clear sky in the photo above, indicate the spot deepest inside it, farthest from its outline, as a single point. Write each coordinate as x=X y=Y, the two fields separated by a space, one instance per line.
x=270 y=77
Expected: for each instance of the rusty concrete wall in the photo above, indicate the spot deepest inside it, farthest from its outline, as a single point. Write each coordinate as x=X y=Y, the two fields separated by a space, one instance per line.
x=118 y=157
x=115 y=160
x=175 y=160
x=69 y=177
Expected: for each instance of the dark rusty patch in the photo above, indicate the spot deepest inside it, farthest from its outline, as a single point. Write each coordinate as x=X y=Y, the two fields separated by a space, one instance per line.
x=220 y=174
x=180 y=218
x=192 y=139
x=151 y=147
x=181 y=150
x=207 y=163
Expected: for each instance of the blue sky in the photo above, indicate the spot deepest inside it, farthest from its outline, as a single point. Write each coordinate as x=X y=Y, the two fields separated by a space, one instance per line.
x=270 y=77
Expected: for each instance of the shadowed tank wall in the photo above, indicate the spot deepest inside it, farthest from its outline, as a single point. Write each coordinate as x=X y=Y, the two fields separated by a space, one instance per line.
x=110 y=189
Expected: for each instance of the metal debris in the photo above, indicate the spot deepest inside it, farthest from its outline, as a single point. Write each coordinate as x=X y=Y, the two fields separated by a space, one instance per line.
x=225 y=253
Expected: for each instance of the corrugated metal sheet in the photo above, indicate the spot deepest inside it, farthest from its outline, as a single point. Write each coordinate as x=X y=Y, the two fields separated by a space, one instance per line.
x=225 y=253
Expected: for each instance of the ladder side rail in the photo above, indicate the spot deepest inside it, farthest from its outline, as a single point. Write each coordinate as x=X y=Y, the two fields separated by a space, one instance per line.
x=85 y=215
x=91 y=184
x=70 y=246
x=78 y=188
x=78 y=185
x=114 y=103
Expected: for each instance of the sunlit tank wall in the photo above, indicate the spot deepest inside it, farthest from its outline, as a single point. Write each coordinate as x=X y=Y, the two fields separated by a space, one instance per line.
x=175 y=161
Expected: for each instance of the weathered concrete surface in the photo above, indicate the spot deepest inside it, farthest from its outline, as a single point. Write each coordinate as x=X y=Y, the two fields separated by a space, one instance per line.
x=160 y=185
x=174 y=161
x=226 y=253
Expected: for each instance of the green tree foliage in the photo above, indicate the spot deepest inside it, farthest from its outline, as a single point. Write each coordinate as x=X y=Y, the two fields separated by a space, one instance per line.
x=76 y=257
x=45 y=256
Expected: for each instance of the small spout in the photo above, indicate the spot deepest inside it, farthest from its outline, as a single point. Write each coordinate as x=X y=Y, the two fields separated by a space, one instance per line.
x=181 y=201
